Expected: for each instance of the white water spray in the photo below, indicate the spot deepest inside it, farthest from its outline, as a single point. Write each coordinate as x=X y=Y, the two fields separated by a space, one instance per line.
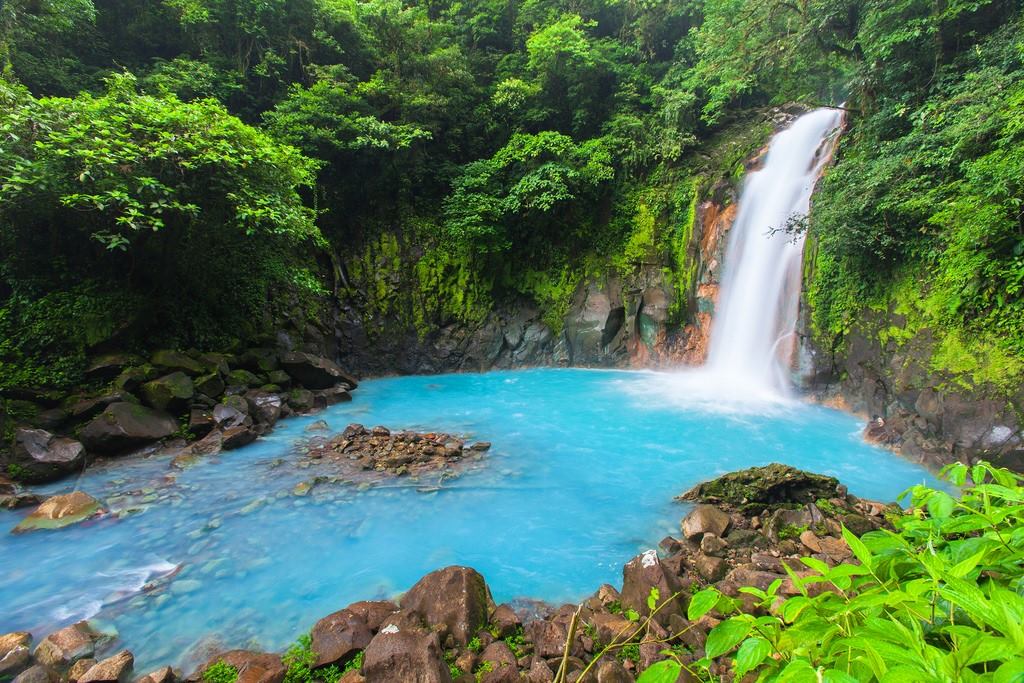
x=752 y=336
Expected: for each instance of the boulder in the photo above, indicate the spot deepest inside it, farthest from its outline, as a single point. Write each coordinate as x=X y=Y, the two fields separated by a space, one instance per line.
x=37 y=674
x=641 y=574
x=705 y=519
x=87 y=408
x=315 y=372
x=226 y=416
x=711 y=569
x=174 y=361
x=252 y=667
x=41 y=456
x=259 y=360
x=406 y=655
x=15 y=654
x=338 y=637
x=60 y=511
x=79 y=668
x=107 y=367
x=200 y=422
x=499 y=654
x=265 y=407
x=505 y=620
x=210 y=385
x=757 y=488
x=373 y=612
x=132 y=378
x=301 y=400
x=164 y=675
x=612 y=671
x=236 y=437
x=169 y=393
x=116 y=669
x=328 y=397
x=455 y=598
x=243 y=378
x=63 y=648
x=609 y=627
x=123 y=426
x=219 y=363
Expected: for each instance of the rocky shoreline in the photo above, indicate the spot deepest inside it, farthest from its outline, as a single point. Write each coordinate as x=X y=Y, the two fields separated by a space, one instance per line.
x=746 y=529
x=222 y=401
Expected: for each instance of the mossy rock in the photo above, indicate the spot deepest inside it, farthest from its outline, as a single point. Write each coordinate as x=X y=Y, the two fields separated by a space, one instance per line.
x=243 y=378
x=170 y=392
x=212 y=385
x=176 y=360
x=757 y=488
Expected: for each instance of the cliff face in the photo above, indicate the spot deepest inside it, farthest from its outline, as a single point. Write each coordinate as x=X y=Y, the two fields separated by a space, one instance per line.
x=927 y=413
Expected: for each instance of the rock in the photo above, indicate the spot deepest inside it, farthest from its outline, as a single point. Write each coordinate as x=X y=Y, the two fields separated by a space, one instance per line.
x=123 y=426
x=132 y=378
x=116 y=669
x=51 y=418
x=63 y=648
x=264 y=407
x=758 y=488
x=175 y=361
x=79 y=668
x=338 y=637
x=37 y=674
x=611 y=671
x=498 y=653
x=200 y=422
x=236 y=437
x=539 y=672
x=315 y=372
x=226 y=416
x=42 y=457
x=243 y=378
x=548 y=637
x=168 y=393
x=301 y=400
x=455 y=597
x=109 y=366
x=373 y=612
x=219 y=363
x=835 y=548
x=88 y=408
x=409 y=656
x=786 y=524
x=711 y=569
x=641 y=574
x=328 y=397
x=253 y=667
x=210 y=385
x=705 y=519
x=713 y=545
x=609 y=627
x=164 y=675
x=14 y=653
x=505 y=619
x=60 y=511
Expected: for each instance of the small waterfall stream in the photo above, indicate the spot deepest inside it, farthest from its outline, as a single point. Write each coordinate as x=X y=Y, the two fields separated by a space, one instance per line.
x=752 y=333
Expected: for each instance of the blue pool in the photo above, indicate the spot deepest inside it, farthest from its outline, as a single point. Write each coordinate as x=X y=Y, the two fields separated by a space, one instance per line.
x=581 y=477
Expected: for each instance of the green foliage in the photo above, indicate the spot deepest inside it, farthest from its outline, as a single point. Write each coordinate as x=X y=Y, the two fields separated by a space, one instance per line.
x=299 y=660
x=220 y=672
x=474 y=644
x=938 y=599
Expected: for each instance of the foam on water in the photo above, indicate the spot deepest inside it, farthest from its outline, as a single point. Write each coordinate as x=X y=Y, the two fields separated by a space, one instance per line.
x=581 y=477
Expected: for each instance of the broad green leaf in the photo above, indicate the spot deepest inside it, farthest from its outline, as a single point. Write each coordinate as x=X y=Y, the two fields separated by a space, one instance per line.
x=665 y=671
x=1010 y=672
x=702 y=603
x=858 y=548
x=750 y=655
x=940 y=504
x=726 y=636
x=837 y=676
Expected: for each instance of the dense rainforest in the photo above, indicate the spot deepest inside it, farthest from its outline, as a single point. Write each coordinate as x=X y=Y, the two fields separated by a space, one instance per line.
x=202 y=173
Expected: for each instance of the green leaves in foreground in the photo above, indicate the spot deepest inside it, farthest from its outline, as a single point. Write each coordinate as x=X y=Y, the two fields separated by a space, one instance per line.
x=938 y=599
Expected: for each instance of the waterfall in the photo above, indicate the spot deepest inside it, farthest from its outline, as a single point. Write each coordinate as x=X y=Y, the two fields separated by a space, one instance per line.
x=752 y=333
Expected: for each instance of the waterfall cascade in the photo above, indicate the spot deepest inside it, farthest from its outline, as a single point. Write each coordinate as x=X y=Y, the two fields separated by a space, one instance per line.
x=752 y=333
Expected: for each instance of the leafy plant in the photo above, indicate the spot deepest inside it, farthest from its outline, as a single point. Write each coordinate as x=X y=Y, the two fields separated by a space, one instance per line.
x=937 y=599
x=220 y=672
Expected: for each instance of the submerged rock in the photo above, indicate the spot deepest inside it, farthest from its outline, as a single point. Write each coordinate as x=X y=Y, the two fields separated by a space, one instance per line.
x=758 y=488
x=40 y=456
x=60 y=511
x=123 y=426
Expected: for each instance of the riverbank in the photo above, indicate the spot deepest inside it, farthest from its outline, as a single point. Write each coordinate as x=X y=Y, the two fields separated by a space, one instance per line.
x=742 y=530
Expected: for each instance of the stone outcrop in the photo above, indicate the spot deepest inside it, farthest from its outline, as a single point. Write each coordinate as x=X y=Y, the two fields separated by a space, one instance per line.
x=123 y=426
x=314 y=372
x=63 y=648
x=758 y=488
x=116 y=669
x=39 y=456
x=15 y=654
x=455 y=598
